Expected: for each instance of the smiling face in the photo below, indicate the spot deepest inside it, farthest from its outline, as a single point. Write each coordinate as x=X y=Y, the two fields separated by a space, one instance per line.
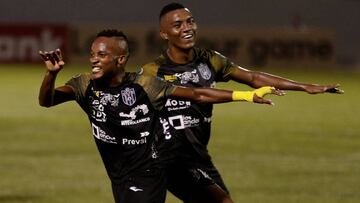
x=108 y=57
x=178 y=27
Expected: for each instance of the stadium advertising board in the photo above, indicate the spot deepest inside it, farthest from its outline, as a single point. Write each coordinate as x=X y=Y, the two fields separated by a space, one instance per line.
x=312 y=47
x=20 y=43
x=255 y=47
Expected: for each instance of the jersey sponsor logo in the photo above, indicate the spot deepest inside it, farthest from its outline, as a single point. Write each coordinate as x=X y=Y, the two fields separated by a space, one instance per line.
x=166 y=127
x=139 y=108
x=144 y=134
x=177 y=122
x=142 y=139
x=143 y=108
x=98 y=111
x=190 y=122
x=107 y=98
x=128 y=96
x=101 y=134
x=207 y=119
x=170 y=78
x=204 y=71
x=100 y=101
x=187 y=77
x=135 y=189
x=131 y=122
x=181 y=121
x=172 y=104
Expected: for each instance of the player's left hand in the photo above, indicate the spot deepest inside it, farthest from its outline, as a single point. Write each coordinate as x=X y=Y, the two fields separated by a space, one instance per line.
x=333 y=88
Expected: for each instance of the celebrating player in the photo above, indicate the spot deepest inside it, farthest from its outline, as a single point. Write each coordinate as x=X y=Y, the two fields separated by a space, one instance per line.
x=184 y=64
x=122 y=108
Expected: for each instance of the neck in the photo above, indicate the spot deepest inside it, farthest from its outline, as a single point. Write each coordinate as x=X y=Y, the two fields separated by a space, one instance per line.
x=113 y=81
x=180 y=56
x=117 y=80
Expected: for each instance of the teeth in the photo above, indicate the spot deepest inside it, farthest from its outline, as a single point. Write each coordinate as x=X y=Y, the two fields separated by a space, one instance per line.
x=187 y=36
x=96 y=69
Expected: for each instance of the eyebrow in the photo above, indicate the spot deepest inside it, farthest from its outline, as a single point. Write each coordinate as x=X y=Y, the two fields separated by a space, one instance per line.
x=177 y=22
x=180 y=21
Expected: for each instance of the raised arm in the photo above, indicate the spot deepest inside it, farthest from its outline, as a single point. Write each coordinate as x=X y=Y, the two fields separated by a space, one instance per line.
x=211 y=95
x=258 y=79
x=48 y=94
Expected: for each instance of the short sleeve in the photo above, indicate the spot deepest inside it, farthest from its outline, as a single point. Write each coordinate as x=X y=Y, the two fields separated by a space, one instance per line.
x=156 y=89
x=222 y=65
x=79 y=83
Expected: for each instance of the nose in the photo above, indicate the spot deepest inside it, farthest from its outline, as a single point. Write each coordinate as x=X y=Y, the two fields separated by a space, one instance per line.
x=187 y=27
x=93 y=59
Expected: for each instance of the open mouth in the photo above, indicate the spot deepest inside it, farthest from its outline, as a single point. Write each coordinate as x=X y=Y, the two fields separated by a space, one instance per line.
x=96 y=69
x=188 y=36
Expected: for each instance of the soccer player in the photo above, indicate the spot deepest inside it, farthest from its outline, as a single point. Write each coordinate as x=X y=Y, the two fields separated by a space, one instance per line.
x=182 y=63
x=122 y=109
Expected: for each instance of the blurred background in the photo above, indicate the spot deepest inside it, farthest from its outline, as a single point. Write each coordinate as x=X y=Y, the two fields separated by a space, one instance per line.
x=303 y=150
x=314 y=34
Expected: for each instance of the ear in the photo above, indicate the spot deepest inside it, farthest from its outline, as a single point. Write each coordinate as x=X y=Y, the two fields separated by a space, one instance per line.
x=121 y=59
x=163 y=35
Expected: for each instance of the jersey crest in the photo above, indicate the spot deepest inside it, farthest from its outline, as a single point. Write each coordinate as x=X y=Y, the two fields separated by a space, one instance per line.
x=128 y=96
x=204 y=71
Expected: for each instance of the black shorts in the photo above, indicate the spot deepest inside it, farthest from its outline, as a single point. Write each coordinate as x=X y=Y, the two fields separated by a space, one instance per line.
x=187 y=182
x=147 y=187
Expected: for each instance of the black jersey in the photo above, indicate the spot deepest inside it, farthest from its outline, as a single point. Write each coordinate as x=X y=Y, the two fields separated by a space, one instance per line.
x=207 y=68
x=123 y=119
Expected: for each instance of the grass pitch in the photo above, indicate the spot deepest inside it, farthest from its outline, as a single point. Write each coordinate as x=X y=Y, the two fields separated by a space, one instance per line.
x=303 y=149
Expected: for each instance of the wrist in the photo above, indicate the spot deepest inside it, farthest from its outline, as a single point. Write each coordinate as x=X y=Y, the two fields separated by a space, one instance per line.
x=243 y=96
x=51 y=73
x=261 y=92
x=249 y=95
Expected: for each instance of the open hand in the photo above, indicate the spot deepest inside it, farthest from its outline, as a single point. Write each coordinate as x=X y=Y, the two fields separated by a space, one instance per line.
x=316 y=89
x=53 y=60
x=261 y=92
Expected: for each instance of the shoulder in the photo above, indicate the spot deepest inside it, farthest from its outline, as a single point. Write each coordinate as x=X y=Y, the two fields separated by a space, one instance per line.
x=215 y=58
x=83 y=78
x=79 y=83
x=205 y=53
x=151 y=68
x=144 y=79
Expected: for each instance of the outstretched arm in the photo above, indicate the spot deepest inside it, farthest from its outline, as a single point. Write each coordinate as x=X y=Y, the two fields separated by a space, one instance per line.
x=258 y=79
x=211 y=95
x=48 y=94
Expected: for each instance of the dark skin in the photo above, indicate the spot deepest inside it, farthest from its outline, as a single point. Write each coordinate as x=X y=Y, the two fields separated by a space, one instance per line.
x=108 y=60
x=179 y=29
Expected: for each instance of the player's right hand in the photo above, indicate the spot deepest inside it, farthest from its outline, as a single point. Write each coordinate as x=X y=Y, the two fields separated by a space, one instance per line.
x=53 y=60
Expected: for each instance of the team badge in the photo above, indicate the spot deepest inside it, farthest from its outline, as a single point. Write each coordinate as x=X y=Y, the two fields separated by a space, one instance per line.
x=128 y=96
x=204 y=71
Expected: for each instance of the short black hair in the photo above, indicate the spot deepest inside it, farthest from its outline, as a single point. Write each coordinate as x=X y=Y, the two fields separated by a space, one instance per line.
x=170 y=7
x=114 y=33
